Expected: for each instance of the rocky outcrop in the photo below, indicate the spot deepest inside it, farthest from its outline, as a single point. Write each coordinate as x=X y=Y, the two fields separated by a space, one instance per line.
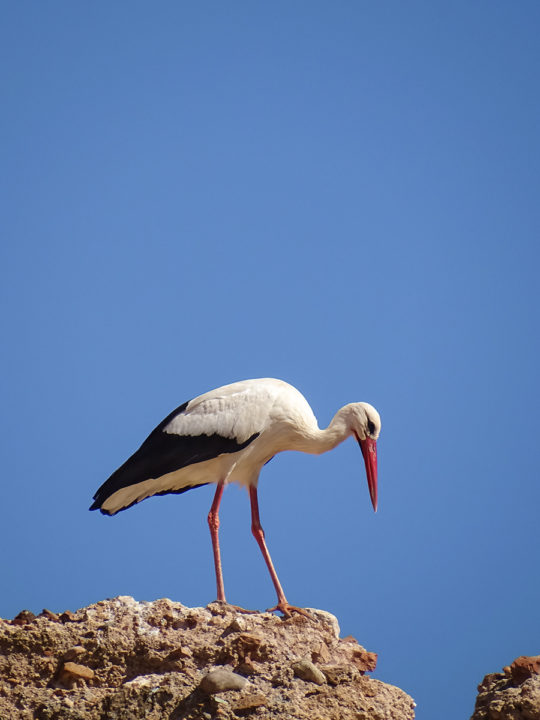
x=122 y=659
x=513 y=694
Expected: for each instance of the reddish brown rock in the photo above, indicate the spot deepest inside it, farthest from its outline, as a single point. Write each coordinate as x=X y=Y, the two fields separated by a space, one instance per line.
x=249 y=702
x=525 y=667
x=72 y=673
x=121 y=658
x=513 y=694
x=23 y=618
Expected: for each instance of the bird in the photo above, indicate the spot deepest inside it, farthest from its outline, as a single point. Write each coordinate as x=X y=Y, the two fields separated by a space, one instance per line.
x=228 y=435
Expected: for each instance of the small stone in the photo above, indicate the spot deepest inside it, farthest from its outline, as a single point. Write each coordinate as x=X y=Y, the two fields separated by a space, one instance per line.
x=220 y=680
x=73 y=671
x=49 y=615
x=74 y=653
x=306 y=670
x=320 y=653
x=246 y=702
x=23 y=618
x=337 y=674
x=238 y=624
x=67 y=616
x=248 y=668
x=179 y=654
x=328 y=619
x=365 y=661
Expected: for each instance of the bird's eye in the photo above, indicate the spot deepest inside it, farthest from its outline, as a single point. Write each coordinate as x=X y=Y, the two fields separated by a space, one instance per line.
x=371 y=427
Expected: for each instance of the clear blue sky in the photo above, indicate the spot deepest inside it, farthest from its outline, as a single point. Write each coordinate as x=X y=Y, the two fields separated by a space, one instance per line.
x=343 y=195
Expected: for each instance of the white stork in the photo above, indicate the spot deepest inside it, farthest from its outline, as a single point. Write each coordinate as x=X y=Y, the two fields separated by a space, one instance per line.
x=227 y=435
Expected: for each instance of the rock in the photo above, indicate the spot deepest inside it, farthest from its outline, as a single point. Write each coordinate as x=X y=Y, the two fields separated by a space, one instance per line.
x=365 y=661
x=180 y=653
x=337 y=674
x=248 y=668
x=220 y=680
x=23 y=618
x=329 y=619
x=306 y=670
x=238 y=624
x=249 y=702
x=243 y=647
x=524 y=667
x=72 y=672
x=74 y=653
x=121 y=658
x=513 y=694
x=321 y=653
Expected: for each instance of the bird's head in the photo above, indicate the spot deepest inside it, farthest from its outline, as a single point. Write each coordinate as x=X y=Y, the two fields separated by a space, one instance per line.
x=365 y=424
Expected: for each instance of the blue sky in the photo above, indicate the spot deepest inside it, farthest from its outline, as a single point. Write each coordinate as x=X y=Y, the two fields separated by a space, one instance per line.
x=342 y=195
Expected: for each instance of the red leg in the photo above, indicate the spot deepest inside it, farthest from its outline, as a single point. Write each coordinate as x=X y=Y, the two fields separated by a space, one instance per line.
x=258 y=534
x=213 y=523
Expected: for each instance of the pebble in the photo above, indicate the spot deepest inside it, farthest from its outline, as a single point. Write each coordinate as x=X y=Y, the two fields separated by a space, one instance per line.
x=77 y=671
x=248 y=668
x=238 y=624
x=250 y=702
x=337 y=674
x=74 y=652
x=306 y=670
x=220 y=680
x=23 y=618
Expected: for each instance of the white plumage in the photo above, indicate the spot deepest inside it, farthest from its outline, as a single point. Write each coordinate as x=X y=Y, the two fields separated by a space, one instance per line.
x=227 y=435
x=243 y=408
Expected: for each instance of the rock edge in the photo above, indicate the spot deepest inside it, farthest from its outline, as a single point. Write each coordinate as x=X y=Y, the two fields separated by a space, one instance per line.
x=122 y=658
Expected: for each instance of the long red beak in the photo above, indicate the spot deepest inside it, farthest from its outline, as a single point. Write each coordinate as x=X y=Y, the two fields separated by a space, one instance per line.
x=369 y=451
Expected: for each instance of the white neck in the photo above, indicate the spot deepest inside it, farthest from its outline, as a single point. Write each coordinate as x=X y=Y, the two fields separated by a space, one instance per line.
x=317 y=441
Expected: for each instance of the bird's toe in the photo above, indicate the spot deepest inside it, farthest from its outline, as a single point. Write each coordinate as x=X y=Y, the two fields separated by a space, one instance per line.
x=227 y=606
x=288 y=610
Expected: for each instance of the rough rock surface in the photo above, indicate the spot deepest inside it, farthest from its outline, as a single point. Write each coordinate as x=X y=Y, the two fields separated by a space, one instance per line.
x=122 y=659
x=513 y=694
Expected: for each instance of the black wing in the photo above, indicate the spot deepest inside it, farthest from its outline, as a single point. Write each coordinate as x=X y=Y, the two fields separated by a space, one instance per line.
x=162 y=453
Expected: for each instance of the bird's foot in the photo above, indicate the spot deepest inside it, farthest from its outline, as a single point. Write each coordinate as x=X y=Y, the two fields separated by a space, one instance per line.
x=226 y=605
x=288 y=610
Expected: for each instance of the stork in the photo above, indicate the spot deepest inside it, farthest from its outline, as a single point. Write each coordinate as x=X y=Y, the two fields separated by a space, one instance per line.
x=227 y=435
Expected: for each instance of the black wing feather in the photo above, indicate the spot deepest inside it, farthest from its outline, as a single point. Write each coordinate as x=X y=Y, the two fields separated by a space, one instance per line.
x=162 y=453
